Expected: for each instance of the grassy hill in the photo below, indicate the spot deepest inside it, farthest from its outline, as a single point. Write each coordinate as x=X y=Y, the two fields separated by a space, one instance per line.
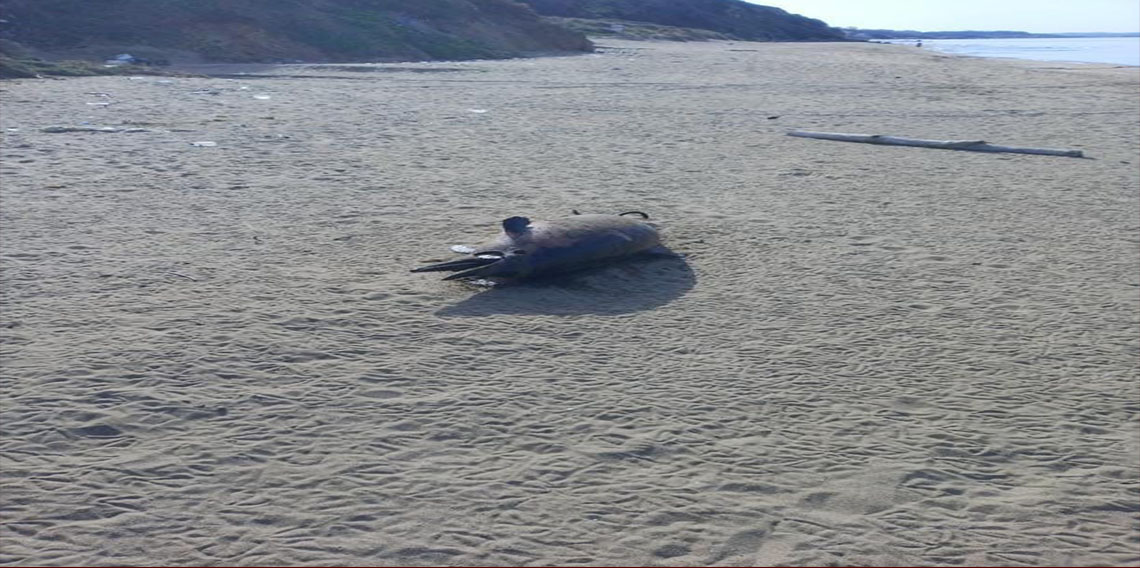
x=280 y=30
x=625 y=29
x=733 y=18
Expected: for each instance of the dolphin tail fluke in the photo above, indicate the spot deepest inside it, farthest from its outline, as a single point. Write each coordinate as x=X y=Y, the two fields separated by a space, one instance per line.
x=461 y=264
x=490 y=269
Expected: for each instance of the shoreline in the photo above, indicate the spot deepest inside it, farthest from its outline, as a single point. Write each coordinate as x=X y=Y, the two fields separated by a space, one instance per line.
x=215 y=354
x=933 y=43
x=1040 y=64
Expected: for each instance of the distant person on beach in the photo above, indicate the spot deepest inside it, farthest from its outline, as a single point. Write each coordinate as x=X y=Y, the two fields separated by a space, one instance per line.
x=918 y=43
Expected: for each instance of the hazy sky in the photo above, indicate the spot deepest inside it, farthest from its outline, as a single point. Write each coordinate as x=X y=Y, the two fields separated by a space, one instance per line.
x=1040 y=16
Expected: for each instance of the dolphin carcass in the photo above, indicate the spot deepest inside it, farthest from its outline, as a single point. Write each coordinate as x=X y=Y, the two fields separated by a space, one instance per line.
x=526 y=249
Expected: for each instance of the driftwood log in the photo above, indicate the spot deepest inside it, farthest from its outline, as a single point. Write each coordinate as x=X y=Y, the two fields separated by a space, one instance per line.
x=971 y=145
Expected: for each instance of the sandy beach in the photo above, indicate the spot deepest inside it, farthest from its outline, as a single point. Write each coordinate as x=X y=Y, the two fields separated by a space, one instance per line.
x=213 y=352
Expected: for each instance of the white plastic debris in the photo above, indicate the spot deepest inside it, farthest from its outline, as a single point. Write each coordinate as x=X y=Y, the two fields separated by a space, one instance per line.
x=61 y=129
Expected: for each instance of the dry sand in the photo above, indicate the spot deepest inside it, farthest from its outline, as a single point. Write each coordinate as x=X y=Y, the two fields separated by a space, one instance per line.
x=870 y=355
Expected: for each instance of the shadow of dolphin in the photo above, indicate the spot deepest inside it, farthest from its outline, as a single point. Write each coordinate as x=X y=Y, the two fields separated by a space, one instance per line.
x=634 y=285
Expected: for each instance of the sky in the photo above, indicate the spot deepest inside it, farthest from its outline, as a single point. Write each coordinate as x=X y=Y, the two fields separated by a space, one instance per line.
x=1037 y=16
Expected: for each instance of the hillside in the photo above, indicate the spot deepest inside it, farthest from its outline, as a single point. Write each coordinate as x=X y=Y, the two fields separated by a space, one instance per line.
x=625 y=29
x=281 y=30
x=733 y=18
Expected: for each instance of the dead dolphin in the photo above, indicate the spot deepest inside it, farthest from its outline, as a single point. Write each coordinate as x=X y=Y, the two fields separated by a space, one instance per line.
x=527 y=249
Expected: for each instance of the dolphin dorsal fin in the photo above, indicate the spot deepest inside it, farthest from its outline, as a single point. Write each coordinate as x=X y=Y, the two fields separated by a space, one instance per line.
x=514 y=226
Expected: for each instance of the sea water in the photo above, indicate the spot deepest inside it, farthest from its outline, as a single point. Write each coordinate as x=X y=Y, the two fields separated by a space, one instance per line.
x=1116 y=50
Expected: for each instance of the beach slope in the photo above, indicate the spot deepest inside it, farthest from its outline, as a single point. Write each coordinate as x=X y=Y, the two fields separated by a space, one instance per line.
x=213 y=352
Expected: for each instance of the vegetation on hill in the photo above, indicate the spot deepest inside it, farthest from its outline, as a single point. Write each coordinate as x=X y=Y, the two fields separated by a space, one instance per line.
x=21 y=68
x=281 y=30
x=17 y=62
x=732 y=18
x=625 y=29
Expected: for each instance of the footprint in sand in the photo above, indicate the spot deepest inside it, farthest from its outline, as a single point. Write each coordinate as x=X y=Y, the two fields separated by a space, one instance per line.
x=890 y=245
x=740 y=544
x=671 y=551
x=98 y=431
x=381 y=394
x=862 y=241
x=923 y=307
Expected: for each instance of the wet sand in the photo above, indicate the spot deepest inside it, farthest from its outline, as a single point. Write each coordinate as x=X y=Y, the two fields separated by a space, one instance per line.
x=216 y=355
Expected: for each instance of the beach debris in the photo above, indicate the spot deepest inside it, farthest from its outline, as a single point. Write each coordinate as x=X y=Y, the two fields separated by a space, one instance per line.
x=565 y=244
x=120 y=59
x=181 y=275
x=128 y=59
x=970 y=145
x=62 y=129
